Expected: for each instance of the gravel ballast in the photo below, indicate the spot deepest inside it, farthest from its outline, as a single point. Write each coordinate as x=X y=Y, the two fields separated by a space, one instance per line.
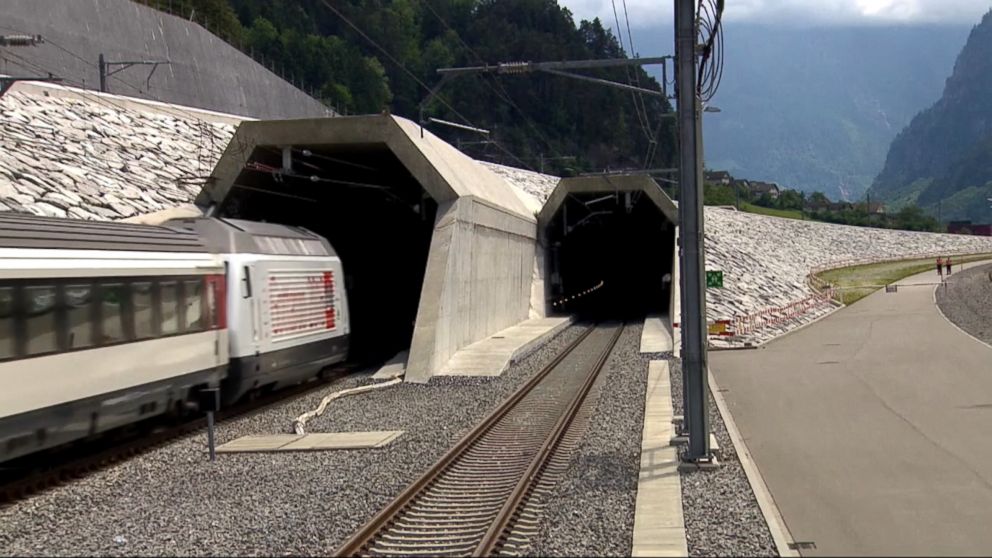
x=591 y=512
x=722 y=517
x=967 y=301
x=172 y=500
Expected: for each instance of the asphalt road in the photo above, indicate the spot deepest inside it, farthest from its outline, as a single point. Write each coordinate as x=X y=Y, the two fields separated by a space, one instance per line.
x=872 y=428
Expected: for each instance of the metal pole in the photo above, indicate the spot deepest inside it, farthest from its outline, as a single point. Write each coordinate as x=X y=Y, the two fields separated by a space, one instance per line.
x=103 y=74
x=694 y=363
x=210 y=435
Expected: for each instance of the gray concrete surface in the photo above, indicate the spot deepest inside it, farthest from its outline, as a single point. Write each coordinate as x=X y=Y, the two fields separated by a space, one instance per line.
x=871 y=428
x=205 y=71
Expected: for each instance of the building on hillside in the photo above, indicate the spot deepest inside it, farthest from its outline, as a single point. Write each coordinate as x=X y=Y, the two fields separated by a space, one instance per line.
x=876 y=208
x=721 y=178
x=967 y=227
x=759 y=188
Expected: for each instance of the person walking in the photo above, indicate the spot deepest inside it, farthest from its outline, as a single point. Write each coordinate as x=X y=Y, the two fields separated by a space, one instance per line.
x=947 y=263
x=940 y=267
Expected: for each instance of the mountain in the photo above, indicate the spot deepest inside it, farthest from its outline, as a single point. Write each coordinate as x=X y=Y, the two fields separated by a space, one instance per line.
x=815 y=108
x=942 y=161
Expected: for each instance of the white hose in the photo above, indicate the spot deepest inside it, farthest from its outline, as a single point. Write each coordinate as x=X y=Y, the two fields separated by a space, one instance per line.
x=299 y=425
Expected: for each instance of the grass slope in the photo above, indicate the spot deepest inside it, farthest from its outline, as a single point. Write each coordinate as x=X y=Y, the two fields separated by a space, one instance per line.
x=785 y=213
x=859 y=281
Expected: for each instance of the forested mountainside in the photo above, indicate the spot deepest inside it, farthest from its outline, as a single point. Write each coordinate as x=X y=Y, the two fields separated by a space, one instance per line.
x=366 y=56
x=942 y=161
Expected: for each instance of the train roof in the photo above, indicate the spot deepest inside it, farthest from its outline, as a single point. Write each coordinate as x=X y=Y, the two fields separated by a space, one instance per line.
x=233 y=236
x=30 y=231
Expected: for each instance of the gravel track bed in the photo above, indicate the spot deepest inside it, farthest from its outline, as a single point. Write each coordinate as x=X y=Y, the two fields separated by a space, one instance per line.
x=172 y=500
x=967 y=301
x=722 y=517
x=591 y=511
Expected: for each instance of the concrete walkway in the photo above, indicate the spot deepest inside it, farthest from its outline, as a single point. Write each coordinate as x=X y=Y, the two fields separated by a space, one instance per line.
x=656 y=336
x=872 y=428
x=494 y=354
x=659 y=524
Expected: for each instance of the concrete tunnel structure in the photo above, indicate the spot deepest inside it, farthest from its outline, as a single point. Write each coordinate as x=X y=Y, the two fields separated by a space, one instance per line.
x=609 y=243
x=438 y=251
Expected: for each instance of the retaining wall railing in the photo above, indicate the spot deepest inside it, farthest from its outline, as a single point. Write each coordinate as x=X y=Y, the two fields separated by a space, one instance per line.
x=824 y=293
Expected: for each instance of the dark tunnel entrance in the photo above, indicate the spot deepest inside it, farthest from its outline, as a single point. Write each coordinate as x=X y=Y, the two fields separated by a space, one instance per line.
x=609 y=256
x=372 y=210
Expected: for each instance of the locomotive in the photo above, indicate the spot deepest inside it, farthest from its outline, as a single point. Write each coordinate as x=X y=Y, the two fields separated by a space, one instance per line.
x=104 y=325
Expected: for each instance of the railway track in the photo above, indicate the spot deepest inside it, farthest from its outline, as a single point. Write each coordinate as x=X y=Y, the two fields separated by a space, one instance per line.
x=38 y=473
x=484 y=496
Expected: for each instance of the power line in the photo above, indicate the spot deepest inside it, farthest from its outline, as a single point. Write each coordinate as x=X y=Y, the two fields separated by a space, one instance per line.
x=633 y=96
x=502 y=93
x=637 y=76
x=413 y=76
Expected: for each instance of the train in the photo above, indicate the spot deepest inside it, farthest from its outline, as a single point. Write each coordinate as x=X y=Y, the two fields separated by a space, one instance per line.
x=105 y=325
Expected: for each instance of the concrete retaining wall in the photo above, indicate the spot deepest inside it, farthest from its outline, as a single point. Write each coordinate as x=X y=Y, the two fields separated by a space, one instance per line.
x=205 y=72
x=478 y=281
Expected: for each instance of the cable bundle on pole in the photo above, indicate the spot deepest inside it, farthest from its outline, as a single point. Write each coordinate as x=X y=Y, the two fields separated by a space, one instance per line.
x=709 y=17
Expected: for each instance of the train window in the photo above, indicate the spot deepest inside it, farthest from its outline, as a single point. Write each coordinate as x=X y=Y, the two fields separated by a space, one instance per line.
x=193 y=291
x=113 y=302
x=141 y=299
x=79 y=315
x=7 y=330
x=40 y=311
x=170 y=306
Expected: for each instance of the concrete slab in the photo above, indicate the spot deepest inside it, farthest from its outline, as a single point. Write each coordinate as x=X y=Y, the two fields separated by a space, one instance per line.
x=494 y=354
x=394 y=367
x=310 y=442
x=659 y=524
x=870 y=428
x=258 y=442
x=342 y=440
x=656 y=337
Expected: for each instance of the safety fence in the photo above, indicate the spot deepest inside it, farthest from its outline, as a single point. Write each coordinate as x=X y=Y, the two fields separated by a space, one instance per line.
x=824 y=293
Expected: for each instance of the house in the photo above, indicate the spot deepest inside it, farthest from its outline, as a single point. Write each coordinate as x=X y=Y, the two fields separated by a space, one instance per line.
x=721 y=178
x=967 y=227
x=758 y=188
x=876 y=208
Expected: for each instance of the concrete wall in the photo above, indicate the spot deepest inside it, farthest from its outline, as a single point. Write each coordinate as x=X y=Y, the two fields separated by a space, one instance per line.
x=205 y=71
x=478 y=281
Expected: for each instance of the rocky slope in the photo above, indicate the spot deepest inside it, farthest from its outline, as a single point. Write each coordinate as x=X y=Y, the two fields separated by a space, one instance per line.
x=943 y=159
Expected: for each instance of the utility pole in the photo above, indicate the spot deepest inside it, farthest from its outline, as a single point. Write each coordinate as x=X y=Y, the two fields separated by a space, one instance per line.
x=694 y=361
x=106 y=72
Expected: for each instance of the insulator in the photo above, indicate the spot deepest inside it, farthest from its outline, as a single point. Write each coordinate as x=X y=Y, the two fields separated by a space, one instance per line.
x=514 y=67
x=20 y=40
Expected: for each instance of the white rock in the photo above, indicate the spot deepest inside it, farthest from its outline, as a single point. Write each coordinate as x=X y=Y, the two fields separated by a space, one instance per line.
x=45 y=209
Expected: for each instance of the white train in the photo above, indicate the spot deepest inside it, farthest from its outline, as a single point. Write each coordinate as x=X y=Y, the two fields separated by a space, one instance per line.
x=103 y=325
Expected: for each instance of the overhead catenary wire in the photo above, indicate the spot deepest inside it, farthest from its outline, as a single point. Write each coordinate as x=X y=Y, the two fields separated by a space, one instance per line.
x=414 y=77
x=497 y=86
x=633 y=96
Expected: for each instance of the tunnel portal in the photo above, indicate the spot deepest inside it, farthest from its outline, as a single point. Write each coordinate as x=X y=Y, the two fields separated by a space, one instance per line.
x=376 y=215
x=609 y=250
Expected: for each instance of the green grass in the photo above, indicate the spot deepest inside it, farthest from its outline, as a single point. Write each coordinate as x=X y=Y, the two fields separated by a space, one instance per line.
x=785 y=213
x=856 y=282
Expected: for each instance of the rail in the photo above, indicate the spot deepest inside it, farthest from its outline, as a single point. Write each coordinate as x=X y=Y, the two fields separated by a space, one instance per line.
x=467 y=502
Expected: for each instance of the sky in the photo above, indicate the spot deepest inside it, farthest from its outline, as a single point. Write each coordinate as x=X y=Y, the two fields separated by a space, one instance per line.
x=645 y=13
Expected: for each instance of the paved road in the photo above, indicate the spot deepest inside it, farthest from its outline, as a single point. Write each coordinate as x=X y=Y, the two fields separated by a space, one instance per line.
x=872 y=428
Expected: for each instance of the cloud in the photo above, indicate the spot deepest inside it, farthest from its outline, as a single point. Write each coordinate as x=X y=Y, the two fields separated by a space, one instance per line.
x=645 y=13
